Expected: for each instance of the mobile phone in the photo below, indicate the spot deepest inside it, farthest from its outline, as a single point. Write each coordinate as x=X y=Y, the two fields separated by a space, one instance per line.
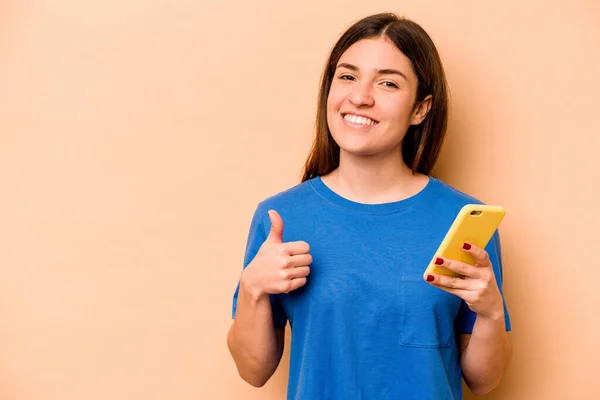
x=475 y=224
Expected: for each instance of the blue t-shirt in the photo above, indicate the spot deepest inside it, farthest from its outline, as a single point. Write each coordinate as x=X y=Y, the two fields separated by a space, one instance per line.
x=366 y=325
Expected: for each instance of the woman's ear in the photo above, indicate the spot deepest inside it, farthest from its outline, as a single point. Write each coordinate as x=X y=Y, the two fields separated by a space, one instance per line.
x=420 y=111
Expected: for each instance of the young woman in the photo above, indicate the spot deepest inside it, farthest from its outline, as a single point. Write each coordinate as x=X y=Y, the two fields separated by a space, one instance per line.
x=347 y=271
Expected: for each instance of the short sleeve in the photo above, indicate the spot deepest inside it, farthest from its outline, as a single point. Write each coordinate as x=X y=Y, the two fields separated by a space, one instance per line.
x=256 y=237
x=466 y=318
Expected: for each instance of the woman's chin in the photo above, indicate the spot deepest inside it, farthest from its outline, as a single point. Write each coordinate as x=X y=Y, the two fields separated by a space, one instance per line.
x=358 y=151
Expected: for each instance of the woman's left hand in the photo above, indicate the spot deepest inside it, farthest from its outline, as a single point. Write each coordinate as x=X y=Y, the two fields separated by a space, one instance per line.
x=478 y=287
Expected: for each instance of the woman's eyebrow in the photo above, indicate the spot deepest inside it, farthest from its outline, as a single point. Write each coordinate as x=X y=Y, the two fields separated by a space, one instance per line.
x=385 y=71
x=390 y=71
x=348 y=66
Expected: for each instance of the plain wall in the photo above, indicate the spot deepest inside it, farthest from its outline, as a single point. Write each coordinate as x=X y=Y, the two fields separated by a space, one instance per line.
x=137 y=137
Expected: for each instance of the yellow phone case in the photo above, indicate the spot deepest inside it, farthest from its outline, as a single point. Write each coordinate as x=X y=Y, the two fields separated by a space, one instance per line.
x=476 y=224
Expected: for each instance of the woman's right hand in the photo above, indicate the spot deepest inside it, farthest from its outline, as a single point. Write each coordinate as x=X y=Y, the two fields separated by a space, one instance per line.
x=277 y=267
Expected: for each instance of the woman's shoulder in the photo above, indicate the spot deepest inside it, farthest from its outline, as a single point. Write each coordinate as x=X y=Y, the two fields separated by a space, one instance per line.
x=291 y=196
x=452 y=194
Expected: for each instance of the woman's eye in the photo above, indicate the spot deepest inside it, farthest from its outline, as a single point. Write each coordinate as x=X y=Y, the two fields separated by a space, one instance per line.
x=390 y=84
x=346 y=77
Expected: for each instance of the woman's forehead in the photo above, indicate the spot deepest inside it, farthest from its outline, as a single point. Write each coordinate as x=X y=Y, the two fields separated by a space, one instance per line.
x=372 y=55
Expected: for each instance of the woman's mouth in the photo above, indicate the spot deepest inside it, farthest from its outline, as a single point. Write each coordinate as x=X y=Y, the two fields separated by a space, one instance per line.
x=358 y=120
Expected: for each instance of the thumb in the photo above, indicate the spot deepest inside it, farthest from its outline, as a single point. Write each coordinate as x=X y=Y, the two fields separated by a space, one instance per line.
x=276 y=233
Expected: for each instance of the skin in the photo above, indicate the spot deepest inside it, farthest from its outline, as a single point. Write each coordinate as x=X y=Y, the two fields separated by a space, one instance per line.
x=374 y=79
x=486 y=354
x=279 y=267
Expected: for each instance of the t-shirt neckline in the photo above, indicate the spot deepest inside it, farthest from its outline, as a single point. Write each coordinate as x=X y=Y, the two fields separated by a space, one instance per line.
x=381 y=208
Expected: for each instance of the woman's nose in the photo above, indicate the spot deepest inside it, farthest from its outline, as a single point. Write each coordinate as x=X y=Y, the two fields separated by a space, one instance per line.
x=361 y=96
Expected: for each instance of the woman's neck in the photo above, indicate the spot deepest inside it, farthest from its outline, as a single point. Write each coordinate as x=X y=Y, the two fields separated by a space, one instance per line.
x=374 y=180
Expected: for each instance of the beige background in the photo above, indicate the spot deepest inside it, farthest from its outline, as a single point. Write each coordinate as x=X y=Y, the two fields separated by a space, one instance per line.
x=136 y=138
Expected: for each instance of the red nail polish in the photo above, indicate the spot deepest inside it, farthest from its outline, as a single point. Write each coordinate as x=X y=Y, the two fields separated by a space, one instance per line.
x=430 y=278
x=439 y=261
x=466 y=246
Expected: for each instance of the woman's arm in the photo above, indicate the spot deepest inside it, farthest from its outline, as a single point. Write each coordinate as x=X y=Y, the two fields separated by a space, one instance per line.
x=485 y=354
x=254 y=343
x=487 y=351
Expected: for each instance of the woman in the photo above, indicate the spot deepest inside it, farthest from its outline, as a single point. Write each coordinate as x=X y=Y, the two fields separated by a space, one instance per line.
x=347 y=271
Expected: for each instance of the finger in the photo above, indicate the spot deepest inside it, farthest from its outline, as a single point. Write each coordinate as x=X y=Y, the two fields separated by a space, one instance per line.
x=461 y=268
x=295 y=284
x=276 y=233
x=481 y=256
x=462 y=293
x=448 y=282
x=298 y=272
x=300 y=260
x=296 y=248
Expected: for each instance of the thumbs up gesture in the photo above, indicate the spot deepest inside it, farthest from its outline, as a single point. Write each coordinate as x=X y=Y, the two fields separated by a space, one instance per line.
x=278 y=267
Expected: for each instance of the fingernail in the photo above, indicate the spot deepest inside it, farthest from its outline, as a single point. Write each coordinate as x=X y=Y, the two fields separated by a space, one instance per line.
x=439 y=261
x=466 y=246
x=430 y=278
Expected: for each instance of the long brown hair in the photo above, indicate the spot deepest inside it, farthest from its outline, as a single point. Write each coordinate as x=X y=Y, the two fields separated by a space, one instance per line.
x=422 y=143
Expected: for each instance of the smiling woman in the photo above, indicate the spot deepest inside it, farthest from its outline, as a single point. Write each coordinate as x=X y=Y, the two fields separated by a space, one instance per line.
x=359 y=84
x=364 y=223
x=395 y=62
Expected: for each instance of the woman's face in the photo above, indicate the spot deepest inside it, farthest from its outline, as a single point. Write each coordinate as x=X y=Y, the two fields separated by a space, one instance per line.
x=371 y=101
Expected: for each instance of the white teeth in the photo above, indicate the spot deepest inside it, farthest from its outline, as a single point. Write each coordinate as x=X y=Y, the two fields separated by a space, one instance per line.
x=359 y=120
